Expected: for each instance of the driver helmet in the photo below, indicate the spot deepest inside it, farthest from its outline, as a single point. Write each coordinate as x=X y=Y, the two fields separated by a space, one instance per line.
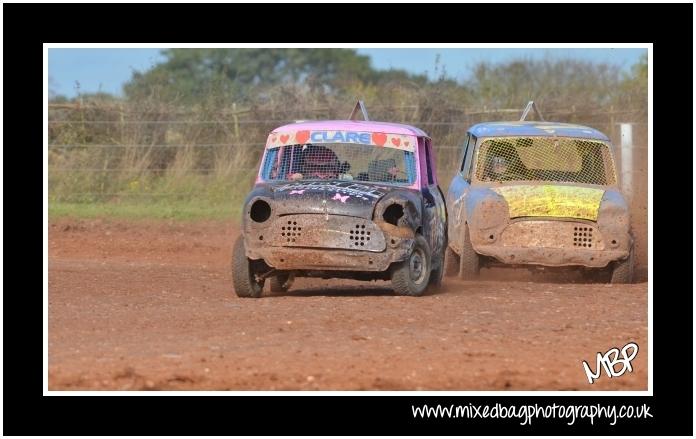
x=320 y=162
x=499 y=165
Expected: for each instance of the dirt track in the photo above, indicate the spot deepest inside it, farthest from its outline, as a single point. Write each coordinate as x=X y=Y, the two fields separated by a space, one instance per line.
x=137 y=306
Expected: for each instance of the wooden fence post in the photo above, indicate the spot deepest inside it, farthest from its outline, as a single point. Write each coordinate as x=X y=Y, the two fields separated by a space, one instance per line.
x=236 y=120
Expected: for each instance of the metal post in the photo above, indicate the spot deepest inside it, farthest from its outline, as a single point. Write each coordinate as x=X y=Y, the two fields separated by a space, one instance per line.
x=627 y=158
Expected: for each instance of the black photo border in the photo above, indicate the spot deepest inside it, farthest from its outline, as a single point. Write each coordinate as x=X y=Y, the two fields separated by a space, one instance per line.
x=28 y=26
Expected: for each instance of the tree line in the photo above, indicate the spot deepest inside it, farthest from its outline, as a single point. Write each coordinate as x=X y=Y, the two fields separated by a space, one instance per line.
x=216 y=77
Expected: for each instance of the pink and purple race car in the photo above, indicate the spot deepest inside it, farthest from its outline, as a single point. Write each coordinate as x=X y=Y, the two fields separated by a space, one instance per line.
x=343 y=199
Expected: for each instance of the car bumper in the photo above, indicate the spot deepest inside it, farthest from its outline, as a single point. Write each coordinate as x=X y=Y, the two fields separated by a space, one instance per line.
x=552 y=257
x=327 y=242
x=552 y=243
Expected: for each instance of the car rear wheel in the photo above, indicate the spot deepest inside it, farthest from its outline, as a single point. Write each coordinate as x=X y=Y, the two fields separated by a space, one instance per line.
x=243 y=276
x=281 y=283
x=622 y=273
x=437 y=274
x=411 y=277
x=469 y=260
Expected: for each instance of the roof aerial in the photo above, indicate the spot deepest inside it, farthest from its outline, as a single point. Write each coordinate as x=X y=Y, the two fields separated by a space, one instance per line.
x=531 y=106
x=360 y=105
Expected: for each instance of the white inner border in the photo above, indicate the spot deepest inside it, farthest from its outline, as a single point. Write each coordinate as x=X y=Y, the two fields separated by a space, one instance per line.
x=648 y=392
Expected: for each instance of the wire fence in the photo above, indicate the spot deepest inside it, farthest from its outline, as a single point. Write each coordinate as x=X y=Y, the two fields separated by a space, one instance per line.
x=155 y=154
x=111 y=153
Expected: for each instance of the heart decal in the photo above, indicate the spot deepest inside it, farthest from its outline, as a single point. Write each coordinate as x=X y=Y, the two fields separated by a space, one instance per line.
x=406 y=142
x=302 y=137
x=395 y=141
x=284 y=138
x=379 y=139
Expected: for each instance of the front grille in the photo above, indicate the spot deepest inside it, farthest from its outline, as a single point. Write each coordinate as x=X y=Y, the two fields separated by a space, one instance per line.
x=359 y=235
x=582 y=236
x=327 y=231
x=552 y=234
x=291 y=231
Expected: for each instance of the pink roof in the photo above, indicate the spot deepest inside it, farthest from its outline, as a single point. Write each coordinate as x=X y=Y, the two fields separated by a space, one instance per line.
x=353 y=125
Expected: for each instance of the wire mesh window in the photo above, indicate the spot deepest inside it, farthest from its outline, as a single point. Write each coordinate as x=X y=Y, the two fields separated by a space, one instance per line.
x=339 y=161
x=549 y=159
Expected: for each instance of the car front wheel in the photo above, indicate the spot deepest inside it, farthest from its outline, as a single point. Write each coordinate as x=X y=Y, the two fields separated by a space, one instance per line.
x=451 y=262
x=622 y=273
x=469 y=260
x=411 y=277
x=243 y=276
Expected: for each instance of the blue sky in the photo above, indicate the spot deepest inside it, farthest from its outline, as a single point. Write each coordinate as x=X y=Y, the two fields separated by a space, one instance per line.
x=108 y=69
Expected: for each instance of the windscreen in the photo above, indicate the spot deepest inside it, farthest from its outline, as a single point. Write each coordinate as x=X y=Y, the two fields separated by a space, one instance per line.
x=546 y=159
x=339 y=161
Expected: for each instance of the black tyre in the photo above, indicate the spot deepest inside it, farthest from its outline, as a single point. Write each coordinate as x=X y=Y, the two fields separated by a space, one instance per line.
x=451 y=262
x=436 y=275
x=469 y=260
x=243 y=276
x=411 y=277
x=281 y=283
x=623 y=271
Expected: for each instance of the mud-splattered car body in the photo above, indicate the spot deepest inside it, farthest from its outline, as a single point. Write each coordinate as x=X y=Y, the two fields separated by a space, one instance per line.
x=538 y=194
x=360 y=223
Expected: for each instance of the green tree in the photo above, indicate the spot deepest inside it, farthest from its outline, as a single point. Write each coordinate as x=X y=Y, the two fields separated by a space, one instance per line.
x=633 y=92
x=551 y=83
x=190 y=74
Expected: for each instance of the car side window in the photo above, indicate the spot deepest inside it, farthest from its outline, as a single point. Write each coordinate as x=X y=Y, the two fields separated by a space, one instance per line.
x=466 y=170
x=429 y=162
x=465 y=147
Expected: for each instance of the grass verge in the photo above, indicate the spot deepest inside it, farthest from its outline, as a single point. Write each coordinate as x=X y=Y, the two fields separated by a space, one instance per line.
x=133 y=210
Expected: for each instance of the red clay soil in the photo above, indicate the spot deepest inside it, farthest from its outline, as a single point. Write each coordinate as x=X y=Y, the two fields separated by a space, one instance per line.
x=150 y=306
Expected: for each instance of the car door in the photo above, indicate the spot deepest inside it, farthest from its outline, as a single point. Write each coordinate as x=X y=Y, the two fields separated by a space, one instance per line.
x=434 y=211
x=458 y=192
